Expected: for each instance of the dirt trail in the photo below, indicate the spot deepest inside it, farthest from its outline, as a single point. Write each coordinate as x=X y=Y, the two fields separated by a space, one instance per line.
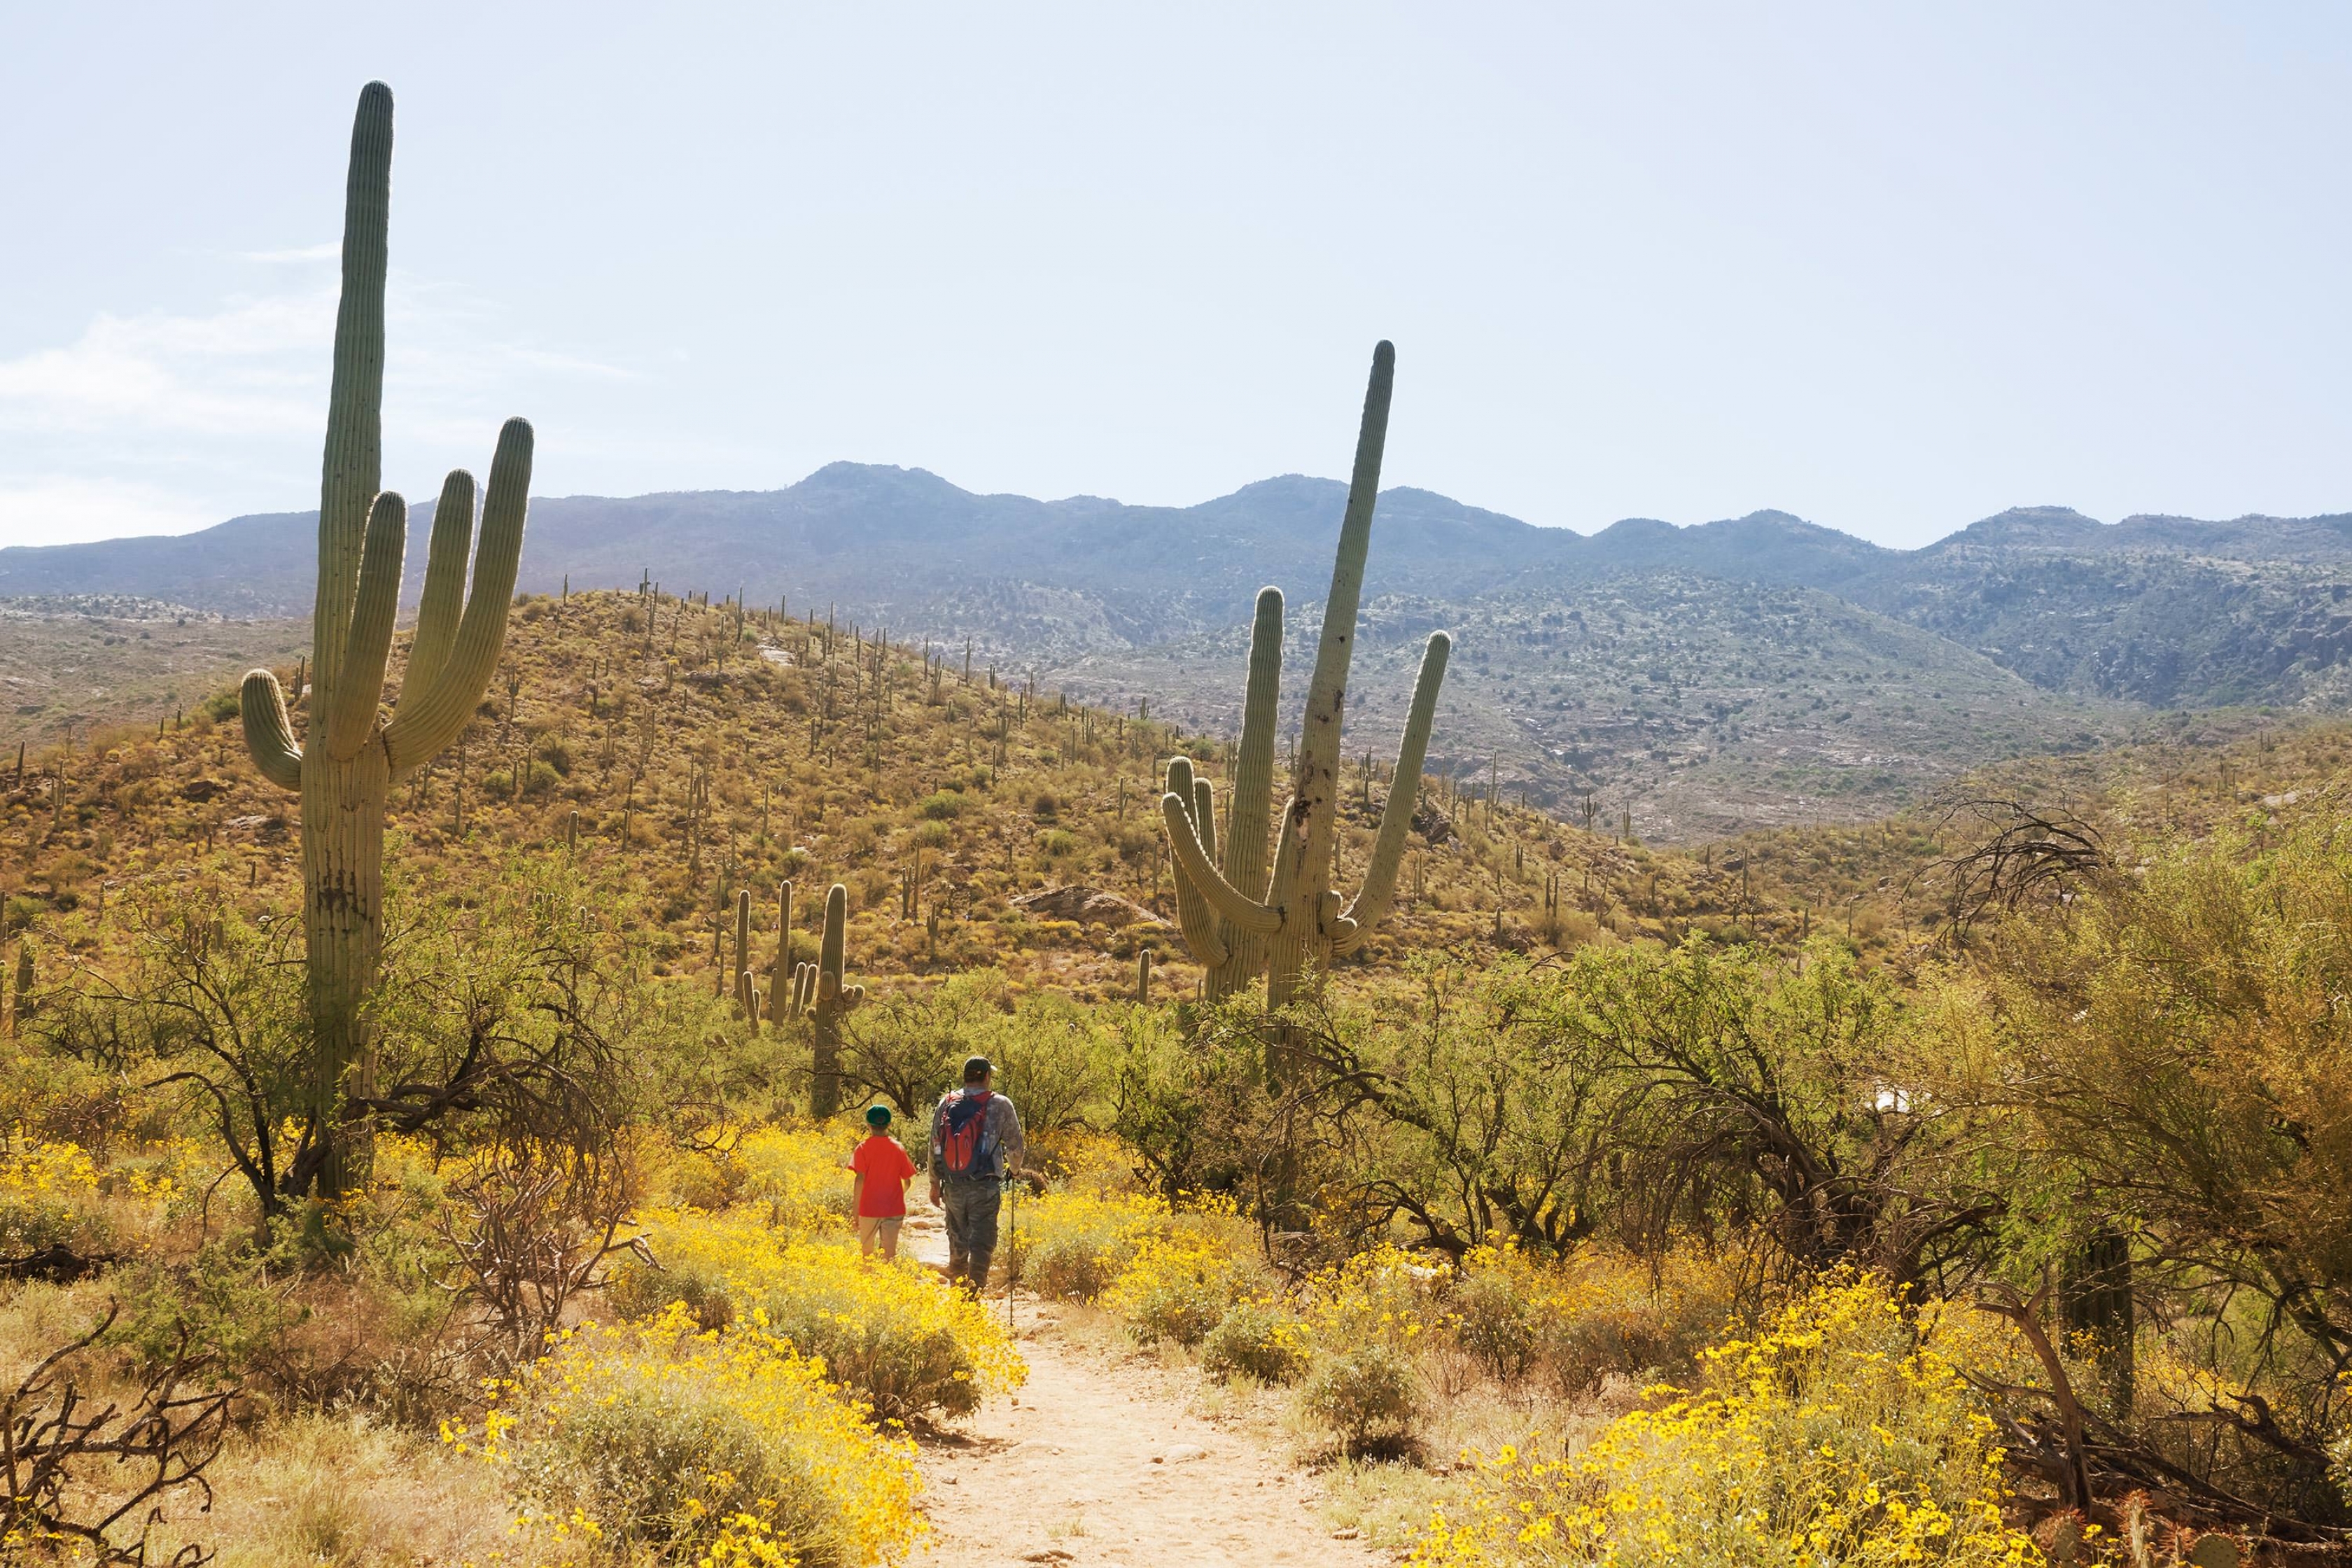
x=1099 y=1461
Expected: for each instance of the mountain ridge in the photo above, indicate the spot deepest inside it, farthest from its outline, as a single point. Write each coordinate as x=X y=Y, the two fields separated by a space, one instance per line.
x=1714 y=676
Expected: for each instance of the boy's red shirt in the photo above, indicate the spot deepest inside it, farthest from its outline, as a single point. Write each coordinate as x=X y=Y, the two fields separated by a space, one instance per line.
x=886 y=1170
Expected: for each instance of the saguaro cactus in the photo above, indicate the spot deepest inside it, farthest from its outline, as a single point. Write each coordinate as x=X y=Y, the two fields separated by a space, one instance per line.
x=1297 y=925
x=353 y=754
x=832 y=998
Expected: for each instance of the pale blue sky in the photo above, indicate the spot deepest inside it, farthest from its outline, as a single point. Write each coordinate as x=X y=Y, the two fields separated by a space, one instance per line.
x=1891 y=268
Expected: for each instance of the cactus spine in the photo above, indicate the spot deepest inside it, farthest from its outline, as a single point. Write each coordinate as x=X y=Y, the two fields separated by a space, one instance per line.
x=352 y=755
x=1297 y=926
x=831 y=999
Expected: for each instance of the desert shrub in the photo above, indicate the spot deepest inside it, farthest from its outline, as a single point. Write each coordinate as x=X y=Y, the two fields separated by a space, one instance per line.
x=907 y=1045
x=902 y=1340
x=699 y=1447
x=1057 y=842
x=1175 y=1288
x=1076 y=1245
x=1383 y=1294
x=1072 y=1246
x=223 y=1302
x=795 y=1171
x=1255 y=1339
x=1369 y=1395
x=1498 y=1319
x=941 y=805
x=1576 y=1320
x=49 y=1201
x=1606 y=1313
x=1832 y=1436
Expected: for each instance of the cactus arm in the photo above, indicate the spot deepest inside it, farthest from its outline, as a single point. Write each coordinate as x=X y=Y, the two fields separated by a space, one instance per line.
x=1252 y=794
x=415 y=735
x=352 y=701
x=1204 y=817
x=1193 y=861
x=445 y=582
x=269 y=732
x=1371 y=903
x=1193 y=916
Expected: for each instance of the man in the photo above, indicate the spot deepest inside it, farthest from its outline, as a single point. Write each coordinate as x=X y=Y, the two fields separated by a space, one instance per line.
x=976 y=1144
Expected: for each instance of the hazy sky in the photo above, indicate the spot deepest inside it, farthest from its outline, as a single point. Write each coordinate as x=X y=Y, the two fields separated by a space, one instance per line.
x=1891 y=268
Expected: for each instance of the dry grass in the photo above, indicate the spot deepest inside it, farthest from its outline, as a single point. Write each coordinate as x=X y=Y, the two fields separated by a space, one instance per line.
x=342 y=1490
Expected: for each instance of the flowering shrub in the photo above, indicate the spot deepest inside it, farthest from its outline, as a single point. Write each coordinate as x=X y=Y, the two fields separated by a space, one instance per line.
x=1073 y=1245
x=1385 y=1294
x=1076 y=1245
x=1830 y=1437
x=53 y=1194
x=1258 y=1339
x=1574 y=1321
x=45 y=1192
x=698 y=1447
x=905 y=1341
x=796 y=1173
x=1175 y=1288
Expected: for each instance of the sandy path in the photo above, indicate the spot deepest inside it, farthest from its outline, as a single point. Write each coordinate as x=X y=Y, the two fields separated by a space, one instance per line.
x=1099 y=1461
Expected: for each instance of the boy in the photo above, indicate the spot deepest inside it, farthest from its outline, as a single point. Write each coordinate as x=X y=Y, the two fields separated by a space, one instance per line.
x=878 y=1195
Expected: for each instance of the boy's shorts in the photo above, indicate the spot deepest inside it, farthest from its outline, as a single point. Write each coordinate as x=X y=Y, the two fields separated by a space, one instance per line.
x=885 y=1226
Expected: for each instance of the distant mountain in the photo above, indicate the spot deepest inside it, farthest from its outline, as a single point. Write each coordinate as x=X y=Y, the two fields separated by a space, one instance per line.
x=1749 y=670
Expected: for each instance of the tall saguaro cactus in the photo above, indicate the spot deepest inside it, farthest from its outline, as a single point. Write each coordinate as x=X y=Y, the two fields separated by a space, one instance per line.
x=1297 y=925
x=832 y=999
x=353 y=752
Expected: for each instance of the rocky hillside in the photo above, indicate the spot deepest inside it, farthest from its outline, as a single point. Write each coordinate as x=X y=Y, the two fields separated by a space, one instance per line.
x=1733 y=674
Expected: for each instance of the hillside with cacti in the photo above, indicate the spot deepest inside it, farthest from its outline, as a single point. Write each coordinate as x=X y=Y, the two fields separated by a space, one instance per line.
x=694 y=752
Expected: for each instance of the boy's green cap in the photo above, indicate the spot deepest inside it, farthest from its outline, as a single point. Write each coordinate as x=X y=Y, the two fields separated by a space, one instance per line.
x=877 y=1116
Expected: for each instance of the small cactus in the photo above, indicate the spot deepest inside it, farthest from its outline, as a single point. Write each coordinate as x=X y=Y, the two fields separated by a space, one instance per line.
x=742 y=964
x=24 y=1005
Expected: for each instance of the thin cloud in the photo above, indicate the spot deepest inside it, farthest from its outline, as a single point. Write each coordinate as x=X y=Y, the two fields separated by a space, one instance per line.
x=69 y=511
x=255 y=370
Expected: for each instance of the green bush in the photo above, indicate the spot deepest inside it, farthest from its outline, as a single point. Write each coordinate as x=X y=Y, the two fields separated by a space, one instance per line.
x=1497 y=1324
x=1256 y=1340
x=1370 y=1395
x=941 y=805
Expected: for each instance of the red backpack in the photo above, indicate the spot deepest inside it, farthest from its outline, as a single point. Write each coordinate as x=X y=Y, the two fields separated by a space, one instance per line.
x=965 y=1147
